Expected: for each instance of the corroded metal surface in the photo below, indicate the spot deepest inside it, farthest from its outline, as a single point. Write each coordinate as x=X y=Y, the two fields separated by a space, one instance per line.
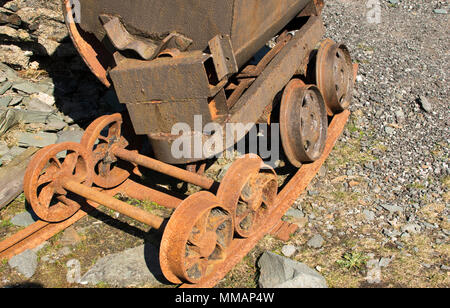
x=241 y=247
x=248 y=191
x=99 y=137
x=43 y=181
x=303 y=122
x=196 y=239
x=168 y=81
x=334 y=76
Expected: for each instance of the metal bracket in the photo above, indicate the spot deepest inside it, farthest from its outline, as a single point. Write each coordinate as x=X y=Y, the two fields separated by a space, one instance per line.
x=146 y=48
x=223 y=56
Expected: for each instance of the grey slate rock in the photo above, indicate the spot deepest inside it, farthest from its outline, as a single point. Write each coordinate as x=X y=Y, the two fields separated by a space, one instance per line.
x=70 y=136
x=25 y=87
x=4 y=149
x=127 y=268
x=5 y=101
x=281 y=272
x=12 y=153
x=39 y=140
x=5 y=87
x=55 y=124
x=316 y=241
x=35 y=104
x=23 y=219
x=297 y=214
x=25 y=263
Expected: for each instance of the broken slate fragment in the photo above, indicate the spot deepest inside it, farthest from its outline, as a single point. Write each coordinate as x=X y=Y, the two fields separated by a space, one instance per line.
x=25 y=87
x=5 y=101
x=35 y=104
x=5 y=87
x=39 y=140
x=70 y=136
x=25 y=263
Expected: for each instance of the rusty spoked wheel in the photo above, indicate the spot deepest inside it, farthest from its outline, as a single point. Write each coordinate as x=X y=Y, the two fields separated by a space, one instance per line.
x=196 y=239
x=303 y=123
x=334 y=76
x=99 y=138
x=248 y=190
x=43 y=182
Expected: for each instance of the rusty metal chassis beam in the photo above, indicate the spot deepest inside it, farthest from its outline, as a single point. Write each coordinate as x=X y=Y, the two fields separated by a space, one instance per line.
x=291 y=59
x=241 y=247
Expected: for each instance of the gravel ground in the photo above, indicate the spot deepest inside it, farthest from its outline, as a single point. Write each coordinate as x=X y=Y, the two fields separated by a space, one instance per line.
x=378 y=212
x=404 y=62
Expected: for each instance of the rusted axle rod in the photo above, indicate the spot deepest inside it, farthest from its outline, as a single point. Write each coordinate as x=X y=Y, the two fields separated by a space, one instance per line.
x=113 y=204
x=153 y=164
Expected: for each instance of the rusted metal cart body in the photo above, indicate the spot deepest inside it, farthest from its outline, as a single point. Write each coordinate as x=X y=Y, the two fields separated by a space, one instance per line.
x=170 y=61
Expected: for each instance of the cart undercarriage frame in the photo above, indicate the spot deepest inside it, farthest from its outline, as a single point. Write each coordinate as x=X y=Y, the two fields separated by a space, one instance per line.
x=212 y=230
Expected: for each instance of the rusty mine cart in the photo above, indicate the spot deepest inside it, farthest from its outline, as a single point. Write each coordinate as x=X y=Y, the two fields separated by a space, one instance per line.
x=168 y=62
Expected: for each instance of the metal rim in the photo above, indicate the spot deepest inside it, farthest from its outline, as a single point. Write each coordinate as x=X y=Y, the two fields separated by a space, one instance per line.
x=196 y=239
x=43 y=185
x=248 y=190
x=303 y=123
x=334 y=76
x=106 y=173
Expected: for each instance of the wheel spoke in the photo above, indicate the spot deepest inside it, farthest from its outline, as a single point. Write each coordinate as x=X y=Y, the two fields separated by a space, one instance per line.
x=70 y=162
x=47 y=176
x=46 y=196
x=55 y=160
x=215 y=222
x=199 y=230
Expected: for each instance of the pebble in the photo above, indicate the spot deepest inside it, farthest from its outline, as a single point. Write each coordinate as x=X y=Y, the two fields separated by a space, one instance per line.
x=316 y=241
x=288 y=250
x=369 y=215
x=426 y=105
x=440 y=11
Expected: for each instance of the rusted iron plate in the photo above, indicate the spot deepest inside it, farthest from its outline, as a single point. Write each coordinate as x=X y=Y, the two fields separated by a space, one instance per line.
x=241 y=247
x=43 y=180
x=99 y=138
x=223 y=56
x=303 y=122
x=88 y=52
x=199 y=20
x=196 y=239
x=314 y=8
x=334 y=76
x=284 y=230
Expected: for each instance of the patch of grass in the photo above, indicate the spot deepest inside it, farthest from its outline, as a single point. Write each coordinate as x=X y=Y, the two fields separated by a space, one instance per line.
x=102 y=285
x=353 y=261
x=6 y=223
